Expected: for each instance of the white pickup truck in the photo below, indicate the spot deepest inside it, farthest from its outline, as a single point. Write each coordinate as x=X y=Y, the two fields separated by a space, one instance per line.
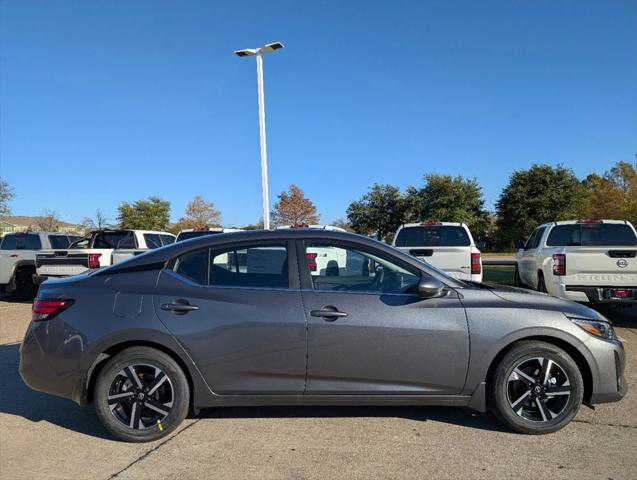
x=17 y=258
x=446 y=245
x=99 y=248
x=591 y=261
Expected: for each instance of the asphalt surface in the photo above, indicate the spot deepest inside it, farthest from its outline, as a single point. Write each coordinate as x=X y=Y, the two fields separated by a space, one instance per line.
x=42 y=436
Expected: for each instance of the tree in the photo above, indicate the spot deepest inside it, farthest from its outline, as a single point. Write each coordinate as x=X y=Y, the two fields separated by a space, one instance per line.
x=613 y=195
x=293 y=208
x=150 y=214
x=6 y=195
x=535 y=196
x=448 y=199
x=97 y=223
x=379 y=212
x=200 y=214
x=49 y=221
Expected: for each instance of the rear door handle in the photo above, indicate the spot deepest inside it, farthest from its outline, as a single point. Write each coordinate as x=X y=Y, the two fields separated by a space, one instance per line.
x=328 y=313
x=179 y=307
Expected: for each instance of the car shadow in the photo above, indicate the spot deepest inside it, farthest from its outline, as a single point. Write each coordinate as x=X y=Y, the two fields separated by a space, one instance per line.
x=19 y=400
x=620 y=316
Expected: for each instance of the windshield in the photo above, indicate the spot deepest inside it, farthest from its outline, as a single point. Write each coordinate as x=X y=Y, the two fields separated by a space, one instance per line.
x=433 y=236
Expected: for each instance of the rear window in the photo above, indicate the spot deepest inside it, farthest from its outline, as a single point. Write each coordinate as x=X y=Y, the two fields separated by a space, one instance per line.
x=592 y=235
x=59 y=241
x=195 y=234
x=167 y=239
x=113 y=239
x=21 y=242
x=433 y=236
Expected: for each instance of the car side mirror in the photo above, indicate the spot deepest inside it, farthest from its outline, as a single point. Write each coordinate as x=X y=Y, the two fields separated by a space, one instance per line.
x=430 y=287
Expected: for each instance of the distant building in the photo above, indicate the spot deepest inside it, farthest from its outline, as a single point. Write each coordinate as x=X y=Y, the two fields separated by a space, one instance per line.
x=12 y=224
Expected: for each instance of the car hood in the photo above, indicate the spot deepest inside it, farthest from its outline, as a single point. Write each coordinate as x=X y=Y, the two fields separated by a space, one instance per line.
x=542 y=301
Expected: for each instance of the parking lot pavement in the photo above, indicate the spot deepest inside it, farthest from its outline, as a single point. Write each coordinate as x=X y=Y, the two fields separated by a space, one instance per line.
x=47 y=437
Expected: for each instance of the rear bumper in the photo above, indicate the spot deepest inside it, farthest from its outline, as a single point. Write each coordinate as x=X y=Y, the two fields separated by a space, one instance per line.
x=597 y=294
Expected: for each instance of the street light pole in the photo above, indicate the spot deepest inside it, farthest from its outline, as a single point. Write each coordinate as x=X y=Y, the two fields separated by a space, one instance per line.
x=264 y=152
x=258 y=52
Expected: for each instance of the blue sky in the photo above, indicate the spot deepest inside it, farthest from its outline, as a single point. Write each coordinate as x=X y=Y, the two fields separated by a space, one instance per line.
x=110 y=101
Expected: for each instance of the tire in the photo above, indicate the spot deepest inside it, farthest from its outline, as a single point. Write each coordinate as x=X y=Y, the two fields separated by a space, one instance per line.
x=536 y=412
x=129 y=416
x=541 y=284
x=25 y=289
x=517 y=281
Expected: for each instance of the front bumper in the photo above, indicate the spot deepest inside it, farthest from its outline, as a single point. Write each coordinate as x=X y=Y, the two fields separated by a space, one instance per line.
x=610 y=384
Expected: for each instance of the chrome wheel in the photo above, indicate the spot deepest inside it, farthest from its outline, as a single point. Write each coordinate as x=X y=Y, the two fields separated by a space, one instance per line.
x=141 y=396
x=538 y=389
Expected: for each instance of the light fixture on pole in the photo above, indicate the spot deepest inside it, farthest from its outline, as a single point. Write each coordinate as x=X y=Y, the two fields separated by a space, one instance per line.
x=258 y=52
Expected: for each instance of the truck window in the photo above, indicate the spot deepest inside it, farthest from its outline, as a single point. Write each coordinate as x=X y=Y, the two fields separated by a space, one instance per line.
x=433 y=236
x=167 y=239
x=152 y=240
x=59 y=241
x=592 y=235
x=20 y=241
x=537 y=236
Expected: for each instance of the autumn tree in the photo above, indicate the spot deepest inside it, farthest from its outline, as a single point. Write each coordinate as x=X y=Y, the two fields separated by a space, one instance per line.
x=200 y=213
x=150 y=214
x=293 y=208
x=612 y=195
x=6 y=195
x=379 y=212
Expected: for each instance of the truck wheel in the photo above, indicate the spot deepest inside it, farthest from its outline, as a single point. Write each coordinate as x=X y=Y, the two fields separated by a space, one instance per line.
x=25 y=289
x=537 y=388
x=541 y=285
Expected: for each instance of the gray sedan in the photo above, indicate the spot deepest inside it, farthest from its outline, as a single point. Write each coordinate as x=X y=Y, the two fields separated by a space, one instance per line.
x=310 y=317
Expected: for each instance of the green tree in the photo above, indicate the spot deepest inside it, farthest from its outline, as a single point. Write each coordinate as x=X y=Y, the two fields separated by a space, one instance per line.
x=448 y=199
x=150 y=214
x=379 y=212
x=540 y=194
x=6 y=195
x=613 y=195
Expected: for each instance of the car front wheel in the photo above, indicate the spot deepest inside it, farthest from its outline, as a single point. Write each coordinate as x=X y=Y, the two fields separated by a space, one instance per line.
x=537 y=388
x=141 y=395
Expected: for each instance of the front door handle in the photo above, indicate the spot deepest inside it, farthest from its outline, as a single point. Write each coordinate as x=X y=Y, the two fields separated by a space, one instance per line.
x=328 y=313
x=180 y=307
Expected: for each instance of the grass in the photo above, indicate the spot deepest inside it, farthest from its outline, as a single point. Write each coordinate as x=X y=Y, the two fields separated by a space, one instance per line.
x=502 y=274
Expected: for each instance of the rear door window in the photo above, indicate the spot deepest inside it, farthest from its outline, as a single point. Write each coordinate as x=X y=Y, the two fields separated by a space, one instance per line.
x=152 y=240
x=592 y=235
x=433 y=236
x=167 y=239
x=59 y=241
x=194 y=266
x=260 y=266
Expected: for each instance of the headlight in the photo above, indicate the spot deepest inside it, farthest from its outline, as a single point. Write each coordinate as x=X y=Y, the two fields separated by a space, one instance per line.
x=595 y=327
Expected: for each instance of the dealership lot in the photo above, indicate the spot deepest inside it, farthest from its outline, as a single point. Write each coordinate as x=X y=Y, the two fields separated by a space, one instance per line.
x=47 y=437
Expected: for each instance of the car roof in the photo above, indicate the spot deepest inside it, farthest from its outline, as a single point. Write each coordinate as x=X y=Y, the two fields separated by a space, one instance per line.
x=433 y=224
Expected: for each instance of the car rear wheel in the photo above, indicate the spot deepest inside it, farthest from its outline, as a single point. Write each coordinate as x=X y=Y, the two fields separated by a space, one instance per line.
x=25 y=289
x=537 y=388
x=517 y=281
x=541 y=284
x=141 y=395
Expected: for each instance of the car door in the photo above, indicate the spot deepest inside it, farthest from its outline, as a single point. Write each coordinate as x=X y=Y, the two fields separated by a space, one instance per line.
x=526 y=264
x=369 y=332
x=17 y=249
x=238 y=312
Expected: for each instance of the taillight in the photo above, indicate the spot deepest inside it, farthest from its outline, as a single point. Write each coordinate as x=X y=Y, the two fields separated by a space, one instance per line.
x=311 y=261
x=47 y=309
x=559 y=264
x=94 y=260
x=475 y=264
